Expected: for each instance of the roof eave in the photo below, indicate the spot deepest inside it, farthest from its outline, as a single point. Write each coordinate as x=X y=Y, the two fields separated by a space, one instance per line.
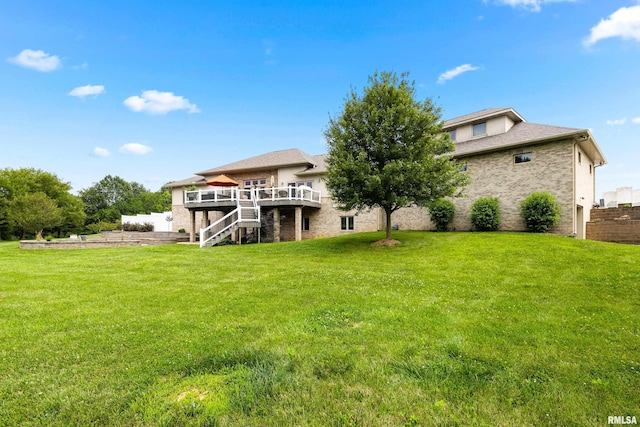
x=575 y=135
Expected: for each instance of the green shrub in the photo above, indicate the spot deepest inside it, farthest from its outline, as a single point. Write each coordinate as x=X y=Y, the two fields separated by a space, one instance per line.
x=147 y=226
x=101 y=226
x=485 y=214
x=441 y=212
x=540 y=211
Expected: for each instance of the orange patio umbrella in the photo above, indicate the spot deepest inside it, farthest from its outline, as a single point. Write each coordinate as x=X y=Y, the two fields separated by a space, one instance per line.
x=222 y=181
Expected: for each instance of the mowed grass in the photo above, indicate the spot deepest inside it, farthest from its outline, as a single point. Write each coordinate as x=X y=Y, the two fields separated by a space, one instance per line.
x=447 y=329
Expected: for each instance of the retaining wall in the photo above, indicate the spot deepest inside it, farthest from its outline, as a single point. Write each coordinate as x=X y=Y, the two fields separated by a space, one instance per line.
x=618 y=225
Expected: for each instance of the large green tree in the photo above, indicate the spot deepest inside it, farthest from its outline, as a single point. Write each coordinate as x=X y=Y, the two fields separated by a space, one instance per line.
x=18 y=182
x=34 y=212
x=112 y=197
x=388 y=150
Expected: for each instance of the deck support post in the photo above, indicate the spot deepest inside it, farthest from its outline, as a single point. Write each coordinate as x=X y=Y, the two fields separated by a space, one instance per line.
x=276 y=225
x=192 y=234
x=298 y=224
x=205 y=219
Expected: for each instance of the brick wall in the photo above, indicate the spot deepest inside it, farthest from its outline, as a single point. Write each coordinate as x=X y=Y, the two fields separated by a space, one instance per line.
x=610 y=214
x=496 y=174
x=608 y=225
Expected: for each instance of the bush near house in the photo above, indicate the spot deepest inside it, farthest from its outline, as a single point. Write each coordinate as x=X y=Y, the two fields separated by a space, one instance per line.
x=441 y=212
x=485 y=214
x=540 y=211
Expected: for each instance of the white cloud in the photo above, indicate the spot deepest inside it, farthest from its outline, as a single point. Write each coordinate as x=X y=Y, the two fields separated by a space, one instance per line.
x=154 y=102
x=624 y=22
x=87 y=90
x=448 y=75
x=617 y=122
x=36 y=60
x=101 y=152
x=532 y=5
x=636 y=121
x=135 y=148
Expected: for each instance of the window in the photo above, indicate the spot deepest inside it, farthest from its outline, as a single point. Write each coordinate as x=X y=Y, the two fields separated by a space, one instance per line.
x=463 y=168
x=346 y=223
x=579 y=158
x=305 y=224
x=261 y=182
x=452 y=134
x=480 y=129
x=590 y=169
x=522 y=158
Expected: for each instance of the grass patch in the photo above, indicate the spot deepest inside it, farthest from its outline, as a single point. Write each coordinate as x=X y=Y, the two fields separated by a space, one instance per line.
x=445 y=329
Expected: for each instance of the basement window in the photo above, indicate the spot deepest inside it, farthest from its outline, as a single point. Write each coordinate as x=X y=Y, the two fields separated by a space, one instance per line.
x=346 y=223
x=522 y=158
x=305 y=224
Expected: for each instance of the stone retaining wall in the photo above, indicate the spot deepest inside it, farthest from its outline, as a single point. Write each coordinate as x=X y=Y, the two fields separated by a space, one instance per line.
x=76 y=244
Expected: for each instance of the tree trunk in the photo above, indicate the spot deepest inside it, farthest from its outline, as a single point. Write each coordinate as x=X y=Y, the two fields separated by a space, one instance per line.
x=388 y=213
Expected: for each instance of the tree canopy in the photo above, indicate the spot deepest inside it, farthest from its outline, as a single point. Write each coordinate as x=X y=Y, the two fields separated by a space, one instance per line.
x=34 y=212
x=15 y=183
x=112 y=197
x=388 y=150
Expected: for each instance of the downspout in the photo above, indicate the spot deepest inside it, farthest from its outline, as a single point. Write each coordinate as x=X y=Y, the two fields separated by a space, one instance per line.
x=574 y=203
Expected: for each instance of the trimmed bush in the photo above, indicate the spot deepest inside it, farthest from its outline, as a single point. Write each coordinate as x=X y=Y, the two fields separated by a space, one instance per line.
x=147 y=226
x=540 y=211
x=485 y=214
x=441 y=212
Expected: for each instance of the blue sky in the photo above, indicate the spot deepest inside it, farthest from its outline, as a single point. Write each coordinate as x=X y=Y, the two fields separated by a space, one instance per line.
x=156 y=91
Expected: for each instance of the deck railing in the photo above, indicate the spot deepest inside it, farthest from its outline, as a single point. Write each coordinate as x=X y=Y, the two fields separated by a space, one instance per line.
x=233 y=194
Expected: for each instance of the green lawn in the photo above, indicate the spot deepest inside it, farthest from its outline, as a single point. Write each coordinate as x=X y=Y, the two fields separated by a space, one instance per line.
x=447 y=329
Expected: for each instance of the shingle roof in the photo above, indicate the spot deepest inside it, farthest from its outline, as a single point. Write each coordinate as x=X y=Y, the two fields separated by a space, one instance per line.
x=320 y=166
x=521 y=133
x=483 y=115
x=272 y=159
x=194 y=180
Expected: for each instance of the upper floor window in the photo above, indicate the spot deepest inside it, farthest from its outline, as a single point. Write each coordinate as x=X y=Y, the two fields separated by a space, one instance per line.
x=452 y=135
x=480 y=129
x=579 y=158
x=522 y=158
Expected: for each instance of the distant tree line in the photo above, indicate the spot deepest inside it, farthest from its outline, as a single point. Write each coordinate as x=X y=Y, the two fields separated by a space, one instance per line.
x=33 y=202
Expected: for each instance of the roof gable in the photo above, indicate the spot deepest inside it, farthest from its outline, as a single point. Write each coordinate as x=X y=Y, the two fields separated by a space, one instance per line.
x=481 y=116
x=273 y=159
